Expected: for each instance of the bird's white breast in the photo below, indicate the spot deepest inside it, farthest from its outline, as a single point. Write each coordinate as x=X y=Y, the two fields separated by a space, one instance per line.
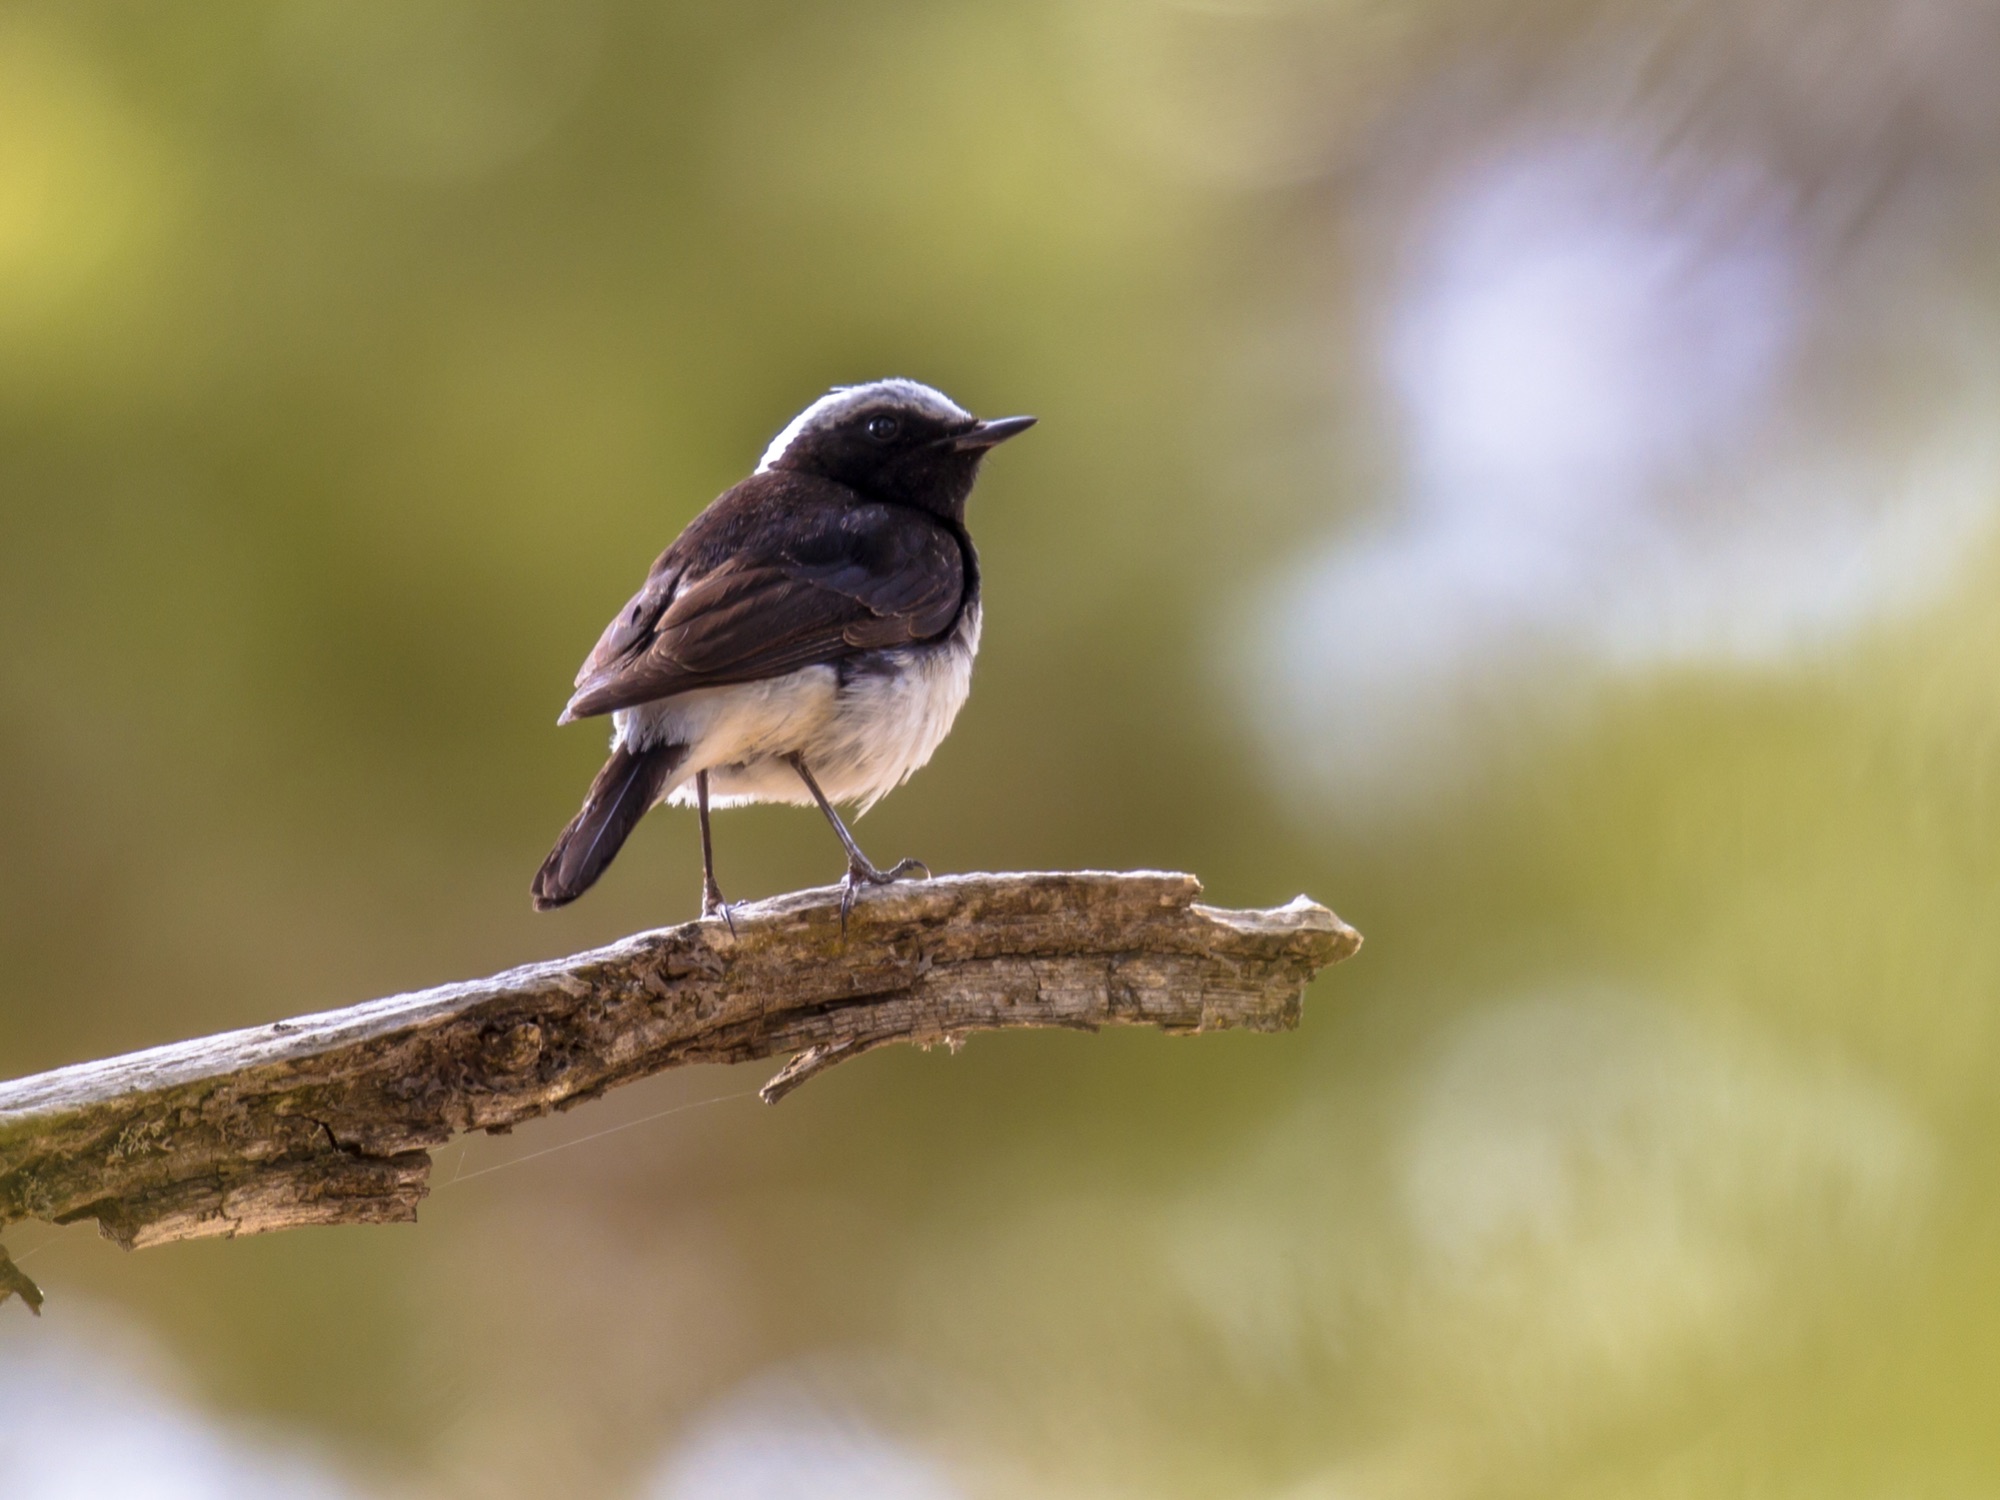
x=863 y=730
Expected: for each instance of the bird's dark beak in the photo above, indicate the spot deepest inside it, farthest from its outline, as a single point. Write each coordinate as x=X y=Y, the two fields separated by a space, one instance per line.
x=987 y=434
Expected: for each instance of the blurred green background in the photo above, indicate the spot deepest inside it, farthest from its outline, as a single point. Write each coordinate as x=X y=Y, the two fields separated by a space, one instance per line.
x=1523 y=475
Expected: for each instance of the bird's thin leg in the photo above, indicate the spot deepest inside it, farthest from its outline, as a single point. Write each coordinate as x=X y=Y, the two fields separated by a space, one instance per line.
x=859 y=870
x=711 y=893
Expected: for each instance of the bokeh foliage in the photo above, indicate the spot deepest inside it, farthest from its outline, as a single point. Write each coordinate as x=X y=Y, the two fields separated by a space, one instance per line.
x=356 y=357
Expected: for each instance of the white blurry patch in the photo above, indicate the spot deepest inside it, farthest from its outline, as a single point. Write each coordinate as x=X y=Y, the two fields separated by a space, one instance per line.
x=82 y=1418
x=1628 y=438
x=779 y=1439
x=1572 y=319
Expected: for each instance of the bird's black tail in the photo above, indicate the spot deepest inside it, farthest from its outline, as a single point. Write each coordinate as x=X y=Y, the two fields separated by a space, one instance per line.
x=629 y=784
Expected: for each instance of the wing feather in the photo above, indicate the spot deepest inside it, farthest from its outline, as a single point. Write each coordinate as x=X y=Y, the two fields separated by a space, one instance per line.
x=848 y=578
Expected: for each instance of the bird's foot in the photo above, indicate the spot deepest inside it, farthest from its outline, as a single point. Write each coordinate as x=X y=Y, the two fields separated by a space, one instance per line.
x=712 y=905
x=860 y=873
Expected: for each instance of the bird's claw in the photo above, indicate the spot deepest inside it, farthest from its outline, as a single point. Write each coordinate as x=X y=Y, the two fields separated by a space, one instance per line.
x=860 y=873
x=712 y=905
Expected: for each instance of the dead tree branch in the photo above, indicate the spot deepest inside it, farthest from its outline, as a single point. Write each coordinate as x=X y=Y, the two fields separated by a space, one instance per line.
x=330 y=1118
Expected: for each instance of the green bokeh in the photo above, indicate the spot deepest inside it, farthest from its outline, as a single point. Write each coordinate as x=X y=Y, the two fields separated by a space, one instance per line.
x=355 y=359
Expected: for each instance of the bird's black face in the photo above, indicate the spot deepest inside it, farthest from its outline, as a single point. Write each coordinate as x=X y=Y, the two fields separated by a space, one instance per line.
x=914 y=450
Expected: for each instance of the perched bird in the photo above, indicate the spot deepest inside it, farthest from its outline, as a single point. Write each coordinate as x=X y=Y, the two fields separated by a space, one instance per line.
x=808 y=639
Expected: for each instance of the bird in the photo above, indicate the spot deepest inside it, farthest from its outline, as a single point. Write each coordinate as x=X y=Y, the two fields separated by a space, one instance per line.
x=808 y=639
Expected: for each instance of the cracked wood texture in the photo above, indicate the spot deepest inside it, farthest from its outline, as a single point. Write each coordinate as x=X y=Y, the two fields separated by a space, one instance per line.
x=329 y=1118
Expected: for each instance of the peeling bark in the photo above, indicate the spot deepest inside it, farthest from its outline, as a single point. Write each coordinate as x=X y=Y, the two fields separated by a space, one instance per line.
x=330 y=1118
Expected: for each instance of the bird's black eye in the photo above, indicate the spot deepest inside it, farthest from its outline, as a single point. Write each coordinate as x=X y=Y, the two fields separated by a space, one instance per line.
x=883 y=428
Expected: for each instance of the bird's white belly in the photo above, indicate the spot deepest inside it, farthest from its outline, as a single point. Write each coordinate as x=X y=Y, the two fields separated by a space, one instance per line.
x=862 y=737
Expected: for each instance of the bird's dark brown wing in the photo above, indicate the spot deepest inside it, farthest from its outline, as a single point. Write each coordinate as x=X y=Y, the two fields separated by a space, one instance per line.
x=741 y=601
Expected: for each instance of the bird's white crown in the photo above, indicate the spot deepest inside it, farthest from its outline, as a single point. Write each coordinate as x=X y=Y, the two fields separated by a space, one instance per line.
x=912 y=395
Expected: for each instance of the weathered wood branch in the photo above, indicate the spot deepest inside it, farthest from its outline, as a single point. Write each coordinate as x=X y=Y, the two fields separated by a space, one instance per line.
x=329 y=1118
